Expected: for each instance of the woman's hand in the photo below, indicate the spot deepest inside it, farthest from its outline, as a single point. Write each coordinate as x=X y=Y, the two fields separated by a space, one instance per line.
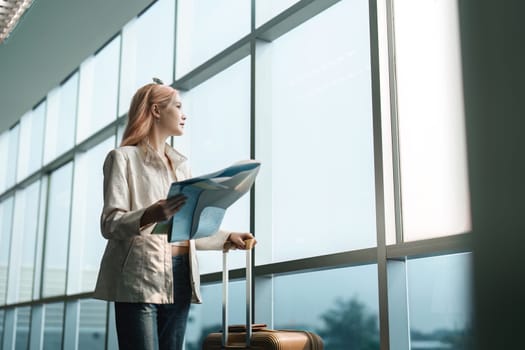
x=162 y=210
x=237 y=239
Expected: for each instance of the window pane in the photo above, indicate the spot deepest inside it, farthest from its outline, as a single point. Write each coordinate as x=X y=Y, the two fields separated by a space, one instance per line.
x=431 y=119
x=1 y=325
x=23 y=243
x=4 y=151
x=196 y=43
x=207 y=317
x=153 y=31
x=439 y=297
x=98 y=90
x=87 y=244
x=315 y=138
x=53 y=326
x=267 y=9
x=6 y=218
x=11 y=156
x=217 y=135
x=31 y=144
x=22 y=328
x=61 y=117
x=92 y=324
x=57 y=231
x=345 y=314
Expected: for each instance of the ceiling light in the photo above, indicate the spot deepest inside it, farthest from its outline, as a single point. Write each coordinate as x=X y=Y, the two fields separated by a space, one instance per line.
x=10 y=13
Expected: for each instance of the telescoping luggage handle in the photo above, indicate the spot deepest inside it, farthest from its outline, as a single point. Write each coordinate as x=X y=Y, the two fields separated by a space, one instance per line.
x=225 y=278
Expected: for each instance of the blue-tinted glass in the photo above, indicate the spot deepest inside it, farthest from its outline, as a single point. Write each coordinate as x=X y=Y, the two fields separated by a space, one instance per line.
x=12 y=157
x=207 y=317
x=53 y=326
x=22 y=328
x=24 y=242
x=439 y=296
x=1 y=325
x=87 y=243
x=57 y=231
x=314 y=137
x=6 y=213
x=340 y=305
x=92 y=324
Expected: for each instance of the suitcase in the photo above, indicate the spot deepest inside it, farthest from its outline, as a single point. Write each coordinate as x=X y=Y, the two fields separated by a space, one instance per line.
x=254 y=336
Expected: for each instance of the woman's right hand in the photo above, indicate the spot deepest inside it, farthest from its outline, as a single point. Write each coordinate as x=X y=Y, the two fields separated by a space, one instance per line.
x=162 y=210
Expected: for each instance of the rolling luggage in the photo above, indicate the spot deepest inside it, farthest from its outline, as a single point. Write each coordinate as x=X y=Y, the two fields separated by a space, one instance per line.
x=255 y=336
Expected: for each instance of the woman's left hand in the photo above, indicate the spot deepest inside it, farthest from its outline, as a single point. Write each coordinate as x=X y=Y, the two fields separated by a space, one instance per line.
x=237 y=239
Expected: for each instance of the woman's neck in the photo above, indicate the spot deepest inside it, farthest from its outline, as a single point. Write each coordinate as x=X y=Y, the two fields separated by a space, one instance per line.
x=157 y=141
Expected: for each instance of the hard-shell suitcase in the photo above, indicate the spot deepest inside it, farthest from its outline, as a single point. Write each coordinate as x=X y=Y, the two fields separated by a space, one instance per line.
x=255 y=337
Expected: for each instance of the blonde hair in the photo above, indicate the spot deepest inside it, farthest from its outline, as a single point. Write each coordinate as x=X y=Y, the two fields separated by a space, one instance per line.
x=140 y=119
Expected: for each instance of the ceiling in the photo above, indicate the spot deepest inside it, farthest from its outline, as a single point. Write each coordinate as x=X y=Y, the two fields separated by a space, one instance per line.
x=51 y=40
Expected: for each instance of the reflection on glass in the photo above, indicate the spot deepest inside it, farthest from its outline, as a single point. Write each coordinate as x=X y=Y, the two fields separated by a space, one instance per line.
x=345 y=314
x=24 y=241
x=97 y=103
x=207 y=317
x=57 y=231
x=217 y=135
x=6 y=214
x=87 y=244
x=92 y=324
x=61 y=118
x=267 y=9
x=434 y=182
x=196 y=43
x=439 y=297
x=30 y=149
x=152 y=32
x=53 y=326
x=1 y=325
x=22 y=328
x=315 y=138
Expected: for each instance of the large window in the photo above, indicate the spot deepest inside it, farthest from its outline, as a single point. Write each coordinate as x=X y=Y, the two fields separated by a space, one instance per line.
x=361 y=197
x=61 y=118
x=314 y=138
x=57 y=232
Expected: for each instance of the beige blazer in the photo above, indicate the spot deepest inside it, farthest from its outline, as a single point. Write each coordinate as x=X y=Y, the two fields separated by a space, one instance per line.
x=136 y=265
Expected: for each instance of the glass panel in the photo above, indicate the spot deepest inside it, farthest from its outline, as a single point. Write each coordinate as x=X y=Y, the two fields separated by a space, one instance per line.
x=314 y=124
x=87 y=244
x=431 y=120
x=57 y=231
x=98 y=90
x=196 y=43
x=216 y=137
x=12 y=156
x=22 y=328
x=440 y=302
x=24 y=242
x=345 y=314
x=1 y=325
x=4 y=151
x=30 y=149
x=267 y=9
x=61 y=118
x=92 y=324
x=207 y=317
x=153 y=31
x=53 y=326
x=6 y=219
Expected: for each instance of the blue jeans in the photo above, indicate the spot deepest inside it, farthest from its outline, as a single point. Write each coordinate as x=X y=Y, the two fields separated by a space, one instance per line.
x=137 y=322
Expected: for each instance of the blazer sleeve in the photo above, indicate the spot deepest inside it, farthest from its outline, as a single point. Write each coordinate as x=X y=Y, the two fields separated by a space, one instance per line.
x=118 y=221
x=213 y=242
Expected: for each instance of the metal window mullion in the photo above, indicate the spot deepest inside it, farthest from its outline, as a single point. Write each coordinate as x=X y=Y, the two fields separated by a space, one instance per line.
x=379 y=184
x=394 y=117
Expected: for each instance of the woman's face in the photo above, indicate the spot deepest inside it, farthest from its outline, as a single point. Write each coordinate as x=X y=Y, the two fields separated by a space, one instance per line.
x=172 y=119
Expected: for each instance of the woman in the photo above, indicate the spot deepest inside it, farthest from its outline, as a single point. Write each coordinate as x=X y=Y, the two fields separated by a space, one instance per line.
x=151 y=281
